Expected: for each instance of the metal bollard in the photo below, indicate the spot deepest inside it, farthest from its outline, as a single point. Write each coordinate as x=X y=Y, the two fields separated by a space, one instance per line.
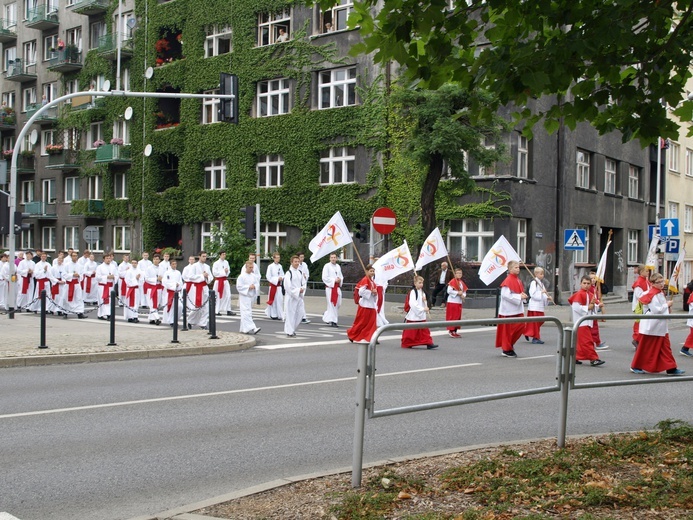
x=185 y=310
x=175 y=319
x=42 y=343
x=112 y=319
x=212 y=315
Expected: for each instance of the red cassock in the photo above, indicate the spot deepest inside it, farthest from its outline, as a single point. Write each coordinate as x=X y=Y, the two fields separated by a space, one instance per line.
x=507 y=334
x=584 y=350
x=414 y=337
x=654 y=352
x=689 y=339
x=532 y=329
x=453 y=311
x=365 y=322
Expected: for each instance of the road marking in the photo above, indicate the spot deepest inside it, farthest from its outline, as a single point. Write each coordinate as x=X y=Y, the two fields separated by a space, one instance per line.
x=535 y=357
x=223 y=392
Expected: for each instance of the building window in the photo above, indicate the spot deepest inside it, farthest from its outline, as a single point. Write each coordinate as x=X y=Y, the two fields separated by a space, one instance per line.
x=582 y=257
x=688 y=219
x=97 y=30
x=335 y=19
x=50 y=45
x=8 y=143
x=71 y=237
x=633 y=245
x=128 y=24
x=120 y=186
x=273 y=27
x=337 y=165
x=121 y=239
x=207 y=232
x=274 y=237
x=48 y=191
x=30 y=53
x=522 y=238
x=673 y=210
x=94 y=191
x=583 y=169
x=97 y=246
x=74 y=37
x=610 y=177
x=71 y=189
x=8 y=99
x=337 y=87
x=121 y=130
x=270 y=171
x=689 y=162
x=674 y=151
x=48 y=239
x=218 y=40
x=27 y=192
x=9 y=55
x=94 y=135
x=27 y=239
x=11 y=15
x=470 y=238
x=47 y=137
x=522 y=156
x=28 y=98
x=633 y=182
x=70 y=87
x=273 y=97
x=210 y=108
x=215 y=175
x=50 y=92
x=488 y=171
x=71 y=139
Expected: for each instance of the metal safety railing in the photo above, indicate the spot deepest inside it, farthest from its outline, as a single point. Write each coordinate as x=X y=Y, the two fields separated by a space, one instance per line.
x=565 y=375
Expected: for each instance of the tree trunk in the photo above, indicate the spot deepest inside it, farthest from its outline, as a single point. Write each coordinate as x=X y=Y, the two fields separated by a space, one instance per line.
x=428 y=206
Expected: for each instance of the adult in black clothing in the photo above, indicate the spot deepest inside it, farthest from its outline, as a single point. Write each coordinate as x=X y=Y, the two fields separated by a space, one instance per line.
x=442 y=279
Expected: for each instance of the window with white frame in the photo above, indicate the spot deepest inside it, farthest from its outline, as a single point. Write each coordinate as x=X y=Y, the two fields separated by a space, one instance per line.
x=582 y=257
x=633 y=182
x=273 y=237
x=337 y=165
x=121 y=130
x=270 y=171
x=215 y=174
x=688 y=219
x=71 y=189
x=335 y=19
x=27 y=194
x=97 y=30
x=610 y=176
x=74 y=37
x=48 y=191
x=27 y=145
x=128 y=24
x=273 y=27
x=70 y=87
x=674 y=152
x=210 y=108
x=673 y=210
x=30 y=7
x=94 y=135
x=9 y=56
x=94 y=188
x=47 y=137
x=217 y=40
x=29 y=53
x=48 y=238
x=583 y=169
x=8 y=99
x=51 y=6
x=273 y=97
x=71 y=237
x=97 y=247
x=689 y=162
x=50 y=47
x=27 y=239
x=50 y=91
x=633 y=245
x=10 y=15
x=71 y=139
x=120 y=186
x=28 y=98
x=346 y=253
x=97 y=83
x=522 y=238
x=121 y=239
x=522 y=156
x=470 y=238
x=337 y=87
x=8 y=142
x=207 y=232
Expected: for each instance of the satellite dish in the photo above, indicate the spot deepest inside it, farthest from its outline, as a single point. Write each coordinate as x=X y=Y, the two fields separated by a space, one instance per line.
x=128 y=113
x=106 y=86
x=33 y=137
x=148 y=150
x=149 y=73
x=131 y=23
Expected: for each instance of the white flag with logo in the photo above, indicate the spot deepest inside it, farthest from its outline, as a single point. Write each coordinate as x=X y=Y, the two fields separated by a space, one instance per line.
x=674 y=280
x=332 y=237
x=495 y=263
x=432 y=249
x=394 y=263
x=652 y=258
x=601 y=266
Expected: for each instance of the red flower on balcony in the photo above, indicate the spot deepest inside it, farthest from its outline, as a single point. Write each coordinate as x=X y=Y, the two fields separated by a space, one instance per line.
x=162 y=46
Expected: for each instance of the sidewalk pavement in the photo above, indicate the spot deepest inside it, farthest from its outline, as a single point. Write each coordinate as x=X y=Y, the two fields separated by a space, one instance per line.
x=80 y=341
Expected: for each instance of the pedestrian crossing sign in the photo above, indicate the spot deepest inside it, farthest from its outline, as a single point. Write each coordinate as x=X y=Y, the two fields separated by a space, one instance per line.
x=575 y=239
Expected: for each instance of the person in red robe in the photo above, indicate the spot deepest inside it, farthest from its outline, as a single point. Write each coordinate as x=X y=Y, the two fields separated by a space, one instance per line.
x=511 y=306
x=365 y=322
x=457 y=292
x=640 y=286
x=654 y=350
x=582 y=304
x=688 y=344
x=417 y=308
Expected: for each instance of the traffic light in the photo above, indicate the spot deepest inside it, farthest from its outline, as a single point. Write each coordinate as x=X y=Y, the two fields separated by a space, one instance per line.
x=361 y=232
x=248 y=222
x=228 y=108
x=18 y=225
x=4 y=213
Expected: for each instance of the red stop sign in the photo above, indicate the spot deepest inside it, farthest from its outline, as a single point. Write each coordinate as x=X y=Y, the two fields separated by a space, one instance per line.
x=384 y=221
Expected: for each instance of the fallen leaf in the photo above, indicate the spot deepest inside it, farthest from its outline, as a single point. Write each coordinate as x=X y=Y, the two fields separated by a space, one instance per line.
x=403 y=495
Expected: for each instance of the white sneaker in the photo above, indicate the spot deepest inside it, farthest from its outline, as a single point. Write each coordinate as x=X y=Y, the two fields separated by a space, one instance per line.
x=602 y=346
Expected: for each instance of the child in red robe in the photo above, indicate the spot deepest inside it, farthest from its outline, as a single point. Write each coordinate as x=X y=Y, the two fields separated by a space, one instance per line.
x=582 y=303
x=457 y=292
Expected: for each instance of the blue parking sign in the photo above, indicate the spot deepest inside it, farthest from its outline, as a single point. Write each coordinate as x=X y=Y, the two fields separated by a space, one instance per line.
x=673 y=246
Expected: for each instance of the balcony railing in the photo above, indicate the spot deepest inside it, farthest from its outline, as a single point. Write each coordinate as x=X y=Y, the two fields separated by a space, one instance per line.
x=66 y=60
x=90 y=7
x=65 y=160
x=7 y=121
x=108 y=46
x=49 y=116
x=40 y=209
x=94 y=206
x=8 y=30
x=113 y=153
x=17 y=71
x=43 y=16
x=25 y=164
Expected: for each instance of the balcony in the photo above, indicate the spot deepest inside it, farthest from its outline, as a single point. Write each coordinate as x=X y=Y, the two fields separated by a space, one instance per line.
x=25 y=164
x=67 y=60
x=8 y=119
x=91 y=7
x=48 y=117
x=40 y=209
x=108 y=47
x=8 y=30
x=65 y=160
x=17 y=71
x=43 y=17
x=113 y=154
x=88 y=208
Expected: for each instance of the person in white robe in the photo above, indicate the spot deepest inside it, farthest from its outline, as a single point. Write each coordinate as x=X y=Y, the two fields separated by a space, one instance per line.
x=222 y=288
x=133 y=294
x=42 y=282
x=173 y=288
x=332 y=278
x=247 y=292
x=198 y=298
x=106 y=277
x=90 y=288
x=73 y=302
x=4 y=279
x=56 y=303
x=122 y=288
x=25 y=282
x=295 y=290
x=151 y=290
x=275 y=298
x=303 y=267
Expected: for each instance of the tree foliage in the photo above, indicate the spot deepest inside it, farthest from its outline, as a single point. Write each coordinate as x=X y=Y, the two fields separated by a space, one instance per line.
x=614 y=63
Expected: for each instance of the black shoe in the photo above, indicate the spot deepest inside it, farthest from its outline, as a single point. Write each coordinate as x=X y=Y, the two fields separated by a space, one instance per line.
x=152 y=322
x=597 y=362
x=256 y=330
x=107 y=318
x=291 y=335
x=230 y=313
x=158 y=322
x=578 y=362
x=130 y=320
x=431 y=346
x=81 y=316
x=136 y=320
x=189 y=326
x=509 y=353
x=100 y=318
x=305 y=320
x=218 y=314
x=526 y=338
x=275 y=318
x=333 y=324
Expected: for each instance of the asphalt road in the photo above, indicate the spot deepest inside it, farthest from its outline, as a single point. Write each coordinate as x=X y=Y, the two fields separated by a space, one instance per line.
x=106 y=441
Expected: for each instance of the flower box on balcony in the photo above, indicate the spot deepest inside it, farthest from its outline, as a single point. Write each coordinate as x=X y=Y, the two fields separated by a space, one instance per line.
x=109 y=153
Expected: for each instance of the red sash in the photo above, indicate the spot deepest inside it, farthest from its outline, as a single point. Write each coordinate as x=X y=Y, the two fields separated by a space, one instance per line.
x=106 y=294
x=153 y=294
x=188 y=285
x=169 y=303
x=71 y=288
x=42 y=284
x=131 y=296
x=123 y=287
x=55 y=290
x=334 y=297
x=272 y=293
x=25 y=283
x=87 y=281
x=199 y=288
x=220 y=286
